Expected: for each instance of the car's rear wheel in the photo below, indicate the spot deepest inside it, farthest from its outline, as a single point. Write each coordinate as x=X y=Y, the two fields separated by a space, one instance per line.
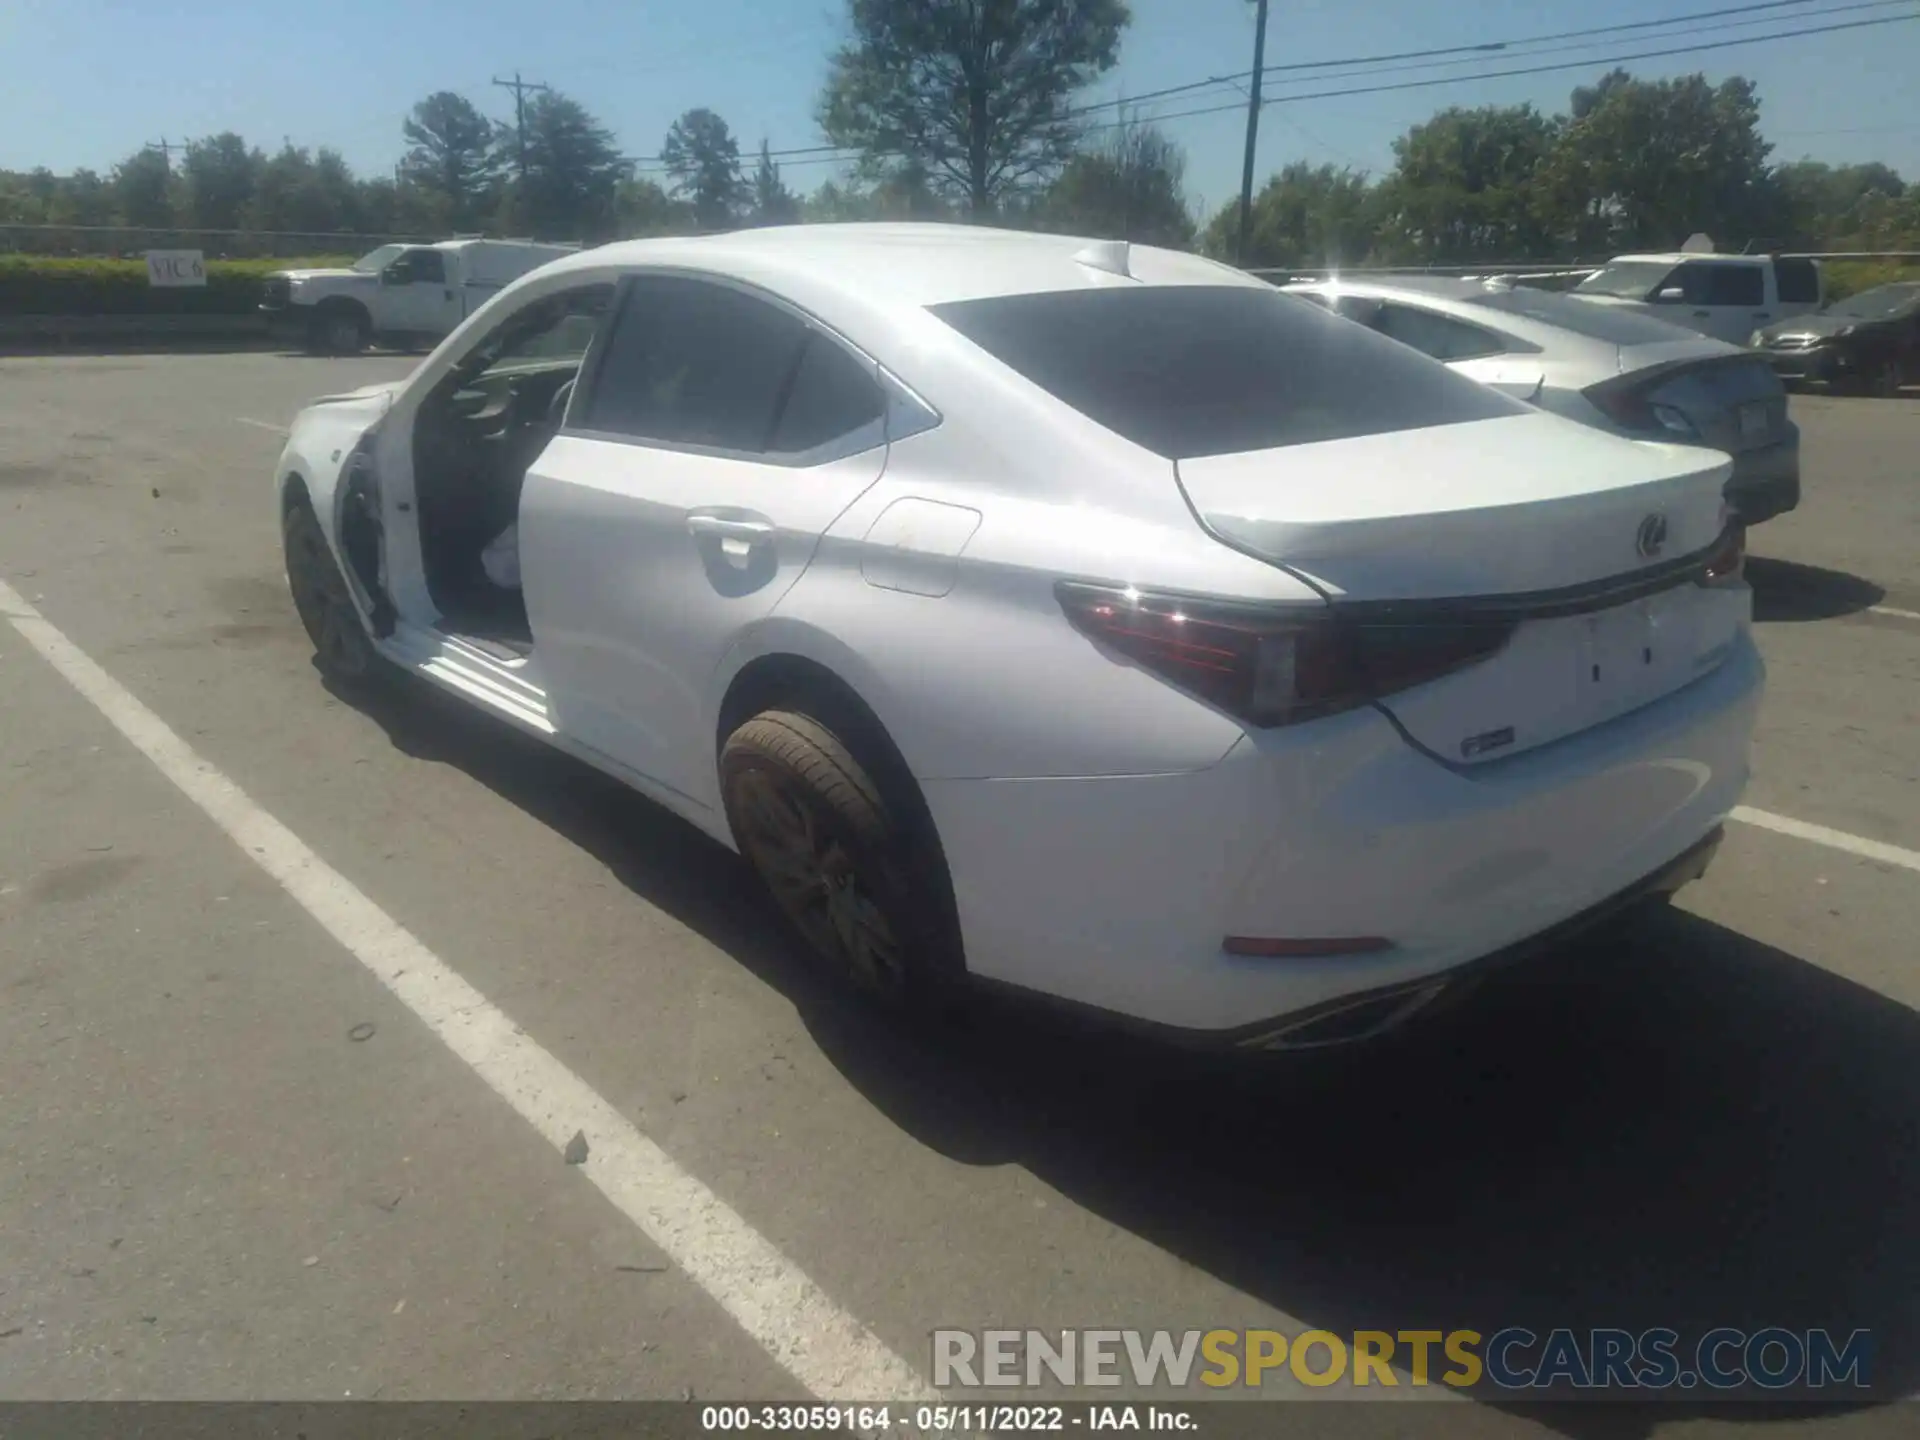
x=1885 y=381
x=847 y=861
x=341 y=646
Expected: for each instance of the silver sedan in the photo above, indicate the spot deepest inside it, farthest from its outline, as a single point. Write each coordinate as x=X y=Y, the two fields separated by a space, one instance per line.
x=1629 y=374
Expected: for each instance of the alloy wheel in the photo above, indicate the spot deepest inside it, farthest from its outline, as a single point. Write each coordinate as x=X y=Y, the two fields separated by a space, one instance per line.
x=320 y=597
x=818 y=882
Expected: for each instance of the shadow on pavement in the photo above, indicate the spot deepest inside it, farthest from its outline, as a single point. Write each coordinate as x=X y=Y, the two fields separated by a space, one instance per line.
x=1784 y=590
x=1671 y=1125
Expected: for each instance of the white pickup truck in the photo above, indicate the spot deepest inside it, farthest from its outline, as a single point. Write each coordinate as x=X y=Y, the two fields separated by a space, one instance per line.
x=406 y=296
x=1725 y=296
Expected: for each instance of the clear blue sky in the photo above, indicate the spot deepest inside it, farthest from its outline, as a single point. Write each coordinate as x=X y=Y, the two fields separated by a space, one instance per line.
x=83 y=82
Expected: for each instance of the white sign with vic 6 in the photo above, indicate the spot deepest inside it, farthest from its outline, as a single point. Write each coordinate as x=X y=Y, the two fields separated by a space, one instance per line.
x=176 y=267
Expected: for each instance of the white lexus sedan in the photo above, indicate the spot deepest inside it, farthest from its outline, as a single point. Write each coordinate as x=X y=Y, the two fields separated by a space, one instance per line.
x=1091 y=619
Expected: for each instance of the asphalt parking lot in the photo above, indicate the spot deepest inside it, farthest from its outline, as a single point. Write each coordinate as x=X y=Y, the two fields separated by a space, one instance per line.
x=237 y=1165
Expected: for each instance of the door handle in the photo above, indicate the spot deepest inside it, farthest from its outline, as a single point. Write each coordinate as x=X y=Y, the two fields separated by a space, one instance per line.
x=1763 y=314
x=738 y=536
x=749 y=531
x=1703 y=314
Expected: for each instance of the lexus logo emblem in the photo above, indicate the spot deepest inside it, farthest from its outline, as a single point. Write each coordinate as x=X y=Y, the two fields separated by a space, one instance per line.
x=1652 y=536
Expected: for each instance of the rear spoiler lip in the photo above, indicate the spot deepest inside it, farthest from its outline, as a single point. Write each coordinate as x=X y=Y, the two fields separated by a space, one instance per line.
x=1584 y=598
x=1660 y=369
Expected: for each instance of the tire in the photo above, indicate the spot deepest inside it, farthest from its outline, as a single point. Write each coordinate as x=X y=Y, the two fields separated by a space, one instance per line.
x=342 y=649
x=339 y=330
x=849 y=860
x=1885 y=380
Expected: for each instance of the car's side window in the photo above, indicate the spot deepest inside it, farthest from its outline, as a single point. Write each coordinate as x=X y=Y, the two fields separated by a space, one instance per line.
x=694 y=363
x=1798 y=281
x=701 y=364
x=551 y=331
x=418 y=267
x=1436 y=335
x=832 y=395
x=1706 y=282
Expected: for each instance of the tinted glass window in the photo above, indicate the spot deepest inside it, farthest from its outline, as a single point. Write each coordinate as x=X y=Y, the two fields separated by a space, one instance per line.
x=418 y=267
x=547 y=333
x=832 y=395
x=1187 y=370
x=691 y=363
x=1798 y=281
x=1435 y=335
x=1709 y=283
x=1883 y=302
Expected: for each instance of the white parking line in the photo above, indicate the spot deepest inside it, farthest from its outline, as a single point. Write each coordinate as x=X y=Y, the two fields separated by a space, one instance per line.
x=262 y=425
x=1896 y=614
x=1835 y=839
x=824 y=1348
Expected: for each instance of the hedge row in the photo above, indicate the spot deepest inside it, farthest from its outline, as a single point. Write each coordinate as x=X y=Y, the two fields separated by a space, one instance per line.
x=53 y=285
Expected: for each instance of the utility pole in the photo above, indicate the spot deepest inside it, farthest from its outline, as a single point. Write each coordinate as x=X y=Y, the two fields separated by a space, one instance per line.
x=520 y=88
x=1253 y=134
x=166 y=148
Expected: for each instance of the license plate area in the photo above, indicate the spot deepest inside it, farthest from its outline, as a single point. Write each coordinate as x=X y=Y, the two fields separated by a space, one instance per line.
x=1754 y=420
x=1639 y=651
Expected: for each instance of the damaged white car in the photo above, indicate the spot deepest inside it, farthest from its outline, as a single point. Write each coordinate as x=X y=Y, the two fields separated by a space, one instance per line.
x=1091 y=619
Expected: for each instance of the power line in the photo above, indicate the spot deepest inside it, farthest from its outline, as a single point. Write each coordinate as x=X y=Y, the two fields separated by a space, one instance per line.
x=831 y=154
x=1578 y=45
x=1528 y=70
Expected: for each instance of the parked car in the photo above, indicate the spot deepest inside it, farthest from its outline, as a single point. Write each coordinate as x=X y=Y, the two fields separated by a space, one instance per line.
x=1869 y=341
x=1091 y=619
x=1724 y=296
x=1628 y=373
x=408 y=296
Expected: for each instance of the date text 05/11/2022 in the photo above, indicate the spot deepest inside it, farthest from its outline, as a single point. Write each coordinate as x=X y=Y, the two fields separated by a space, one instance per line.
x=941 y=1419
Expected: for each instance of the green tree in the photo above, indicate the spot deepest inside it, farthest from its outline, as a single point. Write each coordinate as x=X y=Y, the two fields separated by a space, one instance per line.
x=220 y=174
x=571 y=188
x=1643 y=164
x=1832 y=206
x=978 y=92
x=703 y=160
x=773 y=203
x=1128 y=189
x=1305 y=215
x=455 y=152
x=142 y=187
x=83 y=199
x=645 y=209
x=1463 y=186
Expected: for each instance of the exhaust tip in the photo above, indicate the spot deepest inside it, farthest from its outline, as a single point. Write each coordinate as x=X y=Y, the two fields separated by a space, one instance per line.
x=1362 y=1019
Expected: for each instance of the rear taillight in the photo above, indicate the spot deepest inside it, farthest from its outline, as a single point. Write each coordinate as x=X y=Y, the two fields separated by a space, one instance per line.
x=1276 y=664
x=1727 y=564
x=1632 y=410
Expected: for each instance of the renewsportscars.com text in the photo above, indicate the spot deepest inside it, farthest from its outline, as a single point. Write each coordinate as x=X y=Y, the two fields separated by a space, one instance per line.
x=1515 y=1358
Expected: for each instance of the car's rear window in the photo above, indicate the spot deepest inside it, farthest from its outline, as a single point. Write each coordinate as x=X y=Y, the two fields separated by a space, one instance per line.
x=1187 y=371
x=1606 y=323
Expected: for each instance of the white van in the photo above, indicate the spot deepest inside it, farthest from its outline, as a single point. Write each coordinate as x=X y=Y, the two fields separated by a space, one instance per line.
x=1725 y=296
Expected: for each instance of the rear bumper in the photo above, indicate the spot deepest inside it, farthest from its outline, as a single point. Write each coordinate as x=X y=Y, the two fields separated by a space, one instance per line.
x=1121 y=890
x=1766 y=482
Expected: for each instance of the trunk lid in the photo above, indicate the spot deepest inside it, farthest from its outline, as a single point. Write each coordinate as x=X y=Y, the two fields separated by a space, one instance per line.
x=1583 y=541
x=1731 y=397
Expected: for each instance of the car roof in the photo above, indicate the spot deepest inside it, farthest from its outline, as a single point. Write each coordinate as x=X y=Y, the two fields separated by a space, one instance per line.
x=1677 y=256
x=1560 y=322
x=909 y=264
